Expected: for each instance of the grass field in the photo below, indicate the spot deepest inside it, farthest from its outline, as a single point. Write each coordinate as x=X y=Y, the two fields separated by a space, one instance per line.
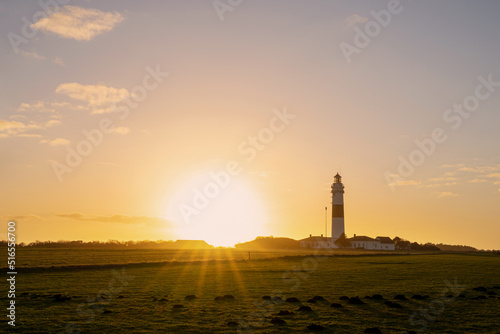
x=47 y=257
x=141 y=298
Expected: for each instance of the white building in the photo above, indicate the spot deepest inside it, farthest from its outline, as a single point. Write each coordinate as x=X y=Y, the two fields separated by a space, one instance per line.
x=316 y=242
x=379 y=243
x=338 y=227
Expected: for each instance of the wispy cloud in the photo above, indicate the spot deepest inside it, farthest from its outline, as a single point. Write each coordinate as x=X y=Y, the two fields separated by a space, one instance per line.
x=354 y=19
x=407 y=183
x=99 y=99
x=20 y=117
x=52 y=122
x=441 y=181
x=31 y=118
x=123 y=219
x=56 y=142
x=32 y=55
x=471 y=173
x=399 y=182
x=452 y=166
x=121 y=130
x=38 y=106
x=78 y=23
x=58 y=61
x=29 y=135
x=21 y=217
x=477 y=181
x=10 y=125
x=480 y=169
x=13 y=128
x=443 y=178
x=456 y=175
x=42 y=115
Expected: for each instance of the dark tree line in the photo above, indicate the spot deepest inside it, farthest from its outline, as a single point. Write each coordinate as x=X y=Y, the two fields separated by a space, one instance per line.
x=456 y=248
x=259 y=242
x=402 y=244
x=110 y=244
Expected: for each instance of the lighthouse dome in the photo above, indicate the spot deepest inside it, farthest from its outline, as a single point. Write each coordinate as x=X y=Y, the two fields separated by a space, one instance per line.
x=337 y=178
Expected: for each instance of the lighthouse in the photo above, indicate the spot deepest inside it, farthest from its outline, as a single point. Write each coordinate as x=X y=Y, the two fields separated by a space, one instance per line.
x=337 y=208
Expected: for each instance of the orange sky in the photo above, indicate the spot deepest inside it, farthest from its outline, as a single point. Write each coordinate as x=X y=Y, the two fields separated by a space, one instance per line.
x=157 y=98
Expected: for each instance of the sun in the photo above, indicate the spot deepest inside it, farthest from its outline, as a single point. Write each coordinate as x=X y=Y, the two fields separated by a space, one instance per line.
x=221 y=211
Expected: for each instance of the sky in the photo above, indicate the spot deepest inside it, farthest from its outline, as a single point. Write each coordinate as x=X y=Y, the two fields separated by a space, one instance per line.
x=227 y=120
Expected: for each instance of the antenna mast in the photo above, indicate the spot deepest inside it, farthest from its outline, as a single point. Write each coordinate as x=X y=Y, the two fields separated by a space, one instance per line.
x=326 y=219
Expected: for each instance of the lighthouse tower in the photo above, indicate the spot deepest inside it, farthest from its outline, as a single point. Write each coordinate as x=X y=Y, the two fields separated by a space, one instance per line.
x=337 y=208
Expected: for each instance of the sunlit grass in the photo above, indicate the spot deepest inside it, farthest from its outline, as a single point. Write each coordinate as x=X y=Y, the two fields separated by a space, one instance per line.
x=248 y=281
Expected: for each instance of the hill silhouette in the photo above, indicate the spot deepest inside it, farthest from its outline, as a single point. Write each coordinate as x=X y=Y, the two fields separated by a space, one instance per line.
x=269 y=243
